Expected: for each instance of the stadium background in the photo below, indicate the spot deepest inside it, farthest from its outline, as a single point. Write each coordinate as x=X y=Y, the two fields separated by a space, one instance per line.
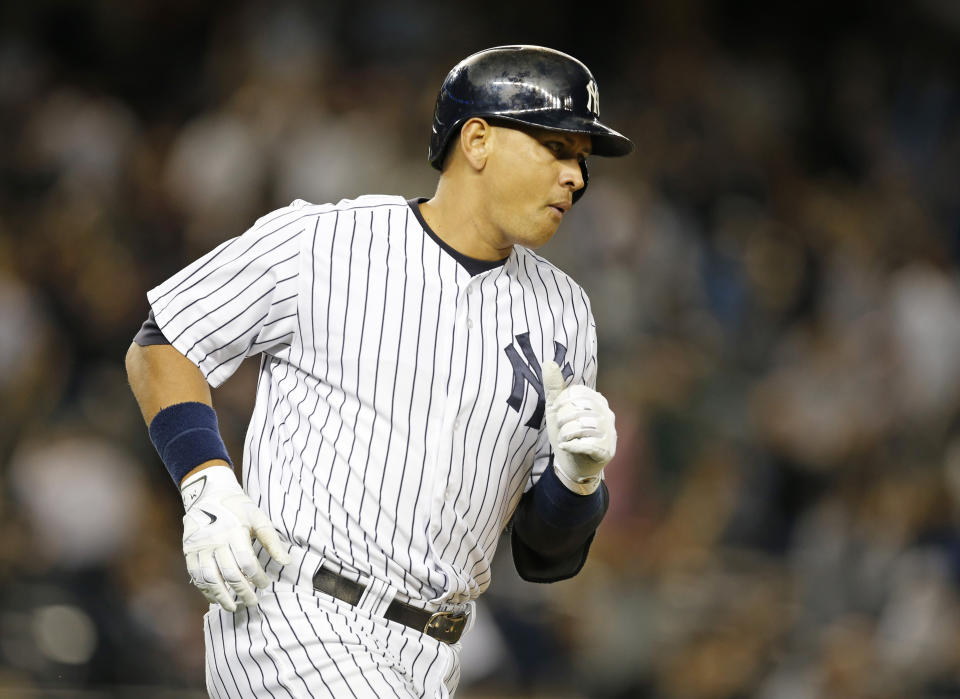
x=774 y=275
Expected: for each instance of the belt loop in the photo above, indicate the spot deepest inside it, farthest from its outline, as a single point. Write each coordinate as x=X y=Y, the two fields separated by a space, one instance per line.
x=376 y=597
x=471 y=612
x=297 y=573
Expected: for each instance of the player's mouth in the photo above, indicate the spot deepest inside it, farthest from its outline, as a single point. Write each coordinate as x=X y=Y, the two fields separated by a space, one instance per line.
x=561 y=207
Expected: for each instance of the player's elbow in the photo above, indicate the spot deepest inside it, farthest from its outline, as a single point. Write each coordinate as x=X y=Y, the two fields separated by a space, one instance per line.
x=135 y=366
x=144 y=372
x=131 y=360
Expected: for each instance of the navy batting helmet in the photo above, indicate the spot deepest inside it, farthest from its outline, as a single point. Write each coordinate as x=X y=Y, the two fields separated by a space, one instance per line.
x=530 y=85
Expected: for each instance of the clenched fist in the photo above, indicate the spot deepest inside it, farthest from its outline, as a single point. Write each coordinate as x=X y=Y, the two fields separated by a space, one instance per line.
x=581 y=431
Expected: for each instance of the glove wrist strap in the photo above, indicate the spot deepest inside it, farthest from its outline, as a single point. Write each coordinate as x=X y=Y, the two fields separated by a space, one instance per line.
x=215 y=477
x=582 y=486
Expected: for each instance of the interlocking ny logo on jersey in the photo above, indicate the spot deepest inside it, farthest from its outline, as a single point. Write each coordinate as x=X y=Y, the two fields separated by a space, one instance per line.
x=529 y=372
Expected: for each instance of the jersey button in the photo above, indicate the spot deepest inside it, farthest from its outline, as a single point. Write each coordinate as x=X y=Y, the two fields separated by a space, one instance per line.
x=456 y=424
x=469 y=323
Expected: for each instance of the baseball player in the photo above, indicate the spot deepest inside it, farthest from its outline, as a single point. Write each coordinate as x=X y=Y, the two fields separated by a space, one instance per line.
x=426 y=381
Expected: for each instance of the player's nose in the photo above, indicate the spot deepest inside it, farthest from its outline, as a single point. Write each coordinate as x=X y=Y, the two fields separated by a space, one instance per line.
x=571 y=176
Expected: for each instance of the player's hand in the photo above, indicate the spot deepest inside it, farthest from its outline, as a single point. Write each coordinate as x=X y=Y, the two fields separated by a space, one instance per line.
x=218 y=528
x=581 y=431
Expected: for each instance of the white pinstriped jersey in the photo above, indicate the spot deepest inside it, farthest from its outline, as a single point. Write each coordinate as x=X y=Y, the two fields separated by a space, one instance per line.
x=390 y=432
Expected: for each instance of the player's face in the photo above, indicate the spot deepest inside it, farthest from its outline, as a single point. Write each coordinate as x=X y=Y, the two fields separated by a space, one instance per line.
x=534 y=175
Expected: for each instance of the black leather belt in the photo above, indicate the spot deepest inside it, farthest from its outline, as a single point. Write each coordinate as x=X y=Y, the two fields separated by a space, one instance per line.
x=443 y=626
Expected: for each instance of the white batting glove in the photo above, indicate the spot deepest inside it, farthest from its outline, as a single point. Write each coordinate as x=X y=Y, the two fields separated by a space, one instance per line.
x=581 y=431
x=220 y=523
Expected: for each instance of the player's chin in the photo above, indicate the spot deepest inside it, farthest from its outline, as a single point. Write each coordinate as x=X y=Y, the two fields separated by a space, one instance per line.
x=545 y=229
x=534 y=231
x=535 y=241
x=549 y=234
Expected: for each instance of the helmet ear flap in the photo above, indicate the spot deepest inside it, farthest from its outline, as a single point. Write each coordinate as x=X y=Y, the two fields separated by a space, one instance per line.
x=586 y=180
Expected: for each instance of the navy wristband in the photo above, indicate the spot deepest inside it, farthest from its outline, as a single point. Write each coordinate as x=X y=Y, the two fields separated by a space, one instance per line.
x=185 y=436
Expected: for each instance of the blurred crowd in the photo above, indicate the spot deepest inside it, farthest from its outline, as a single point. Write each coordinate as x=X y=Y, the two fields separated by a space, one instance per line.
x=774 y=273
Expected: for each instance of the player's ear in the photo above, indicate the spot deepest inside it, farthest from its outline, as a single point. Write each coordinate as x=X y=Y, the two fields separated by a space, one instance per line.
x=475 y=137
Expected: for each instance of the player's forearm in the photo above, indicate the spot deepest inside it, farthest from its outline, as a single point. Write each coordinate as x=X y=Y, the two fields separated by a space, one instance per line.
x=159 y=377
x=175 y=401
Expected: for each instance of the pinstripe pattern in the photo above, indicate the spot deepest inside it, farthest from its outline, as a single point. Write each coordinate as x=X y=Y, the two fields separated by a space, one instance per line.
x=310 y=646
x=381 y=439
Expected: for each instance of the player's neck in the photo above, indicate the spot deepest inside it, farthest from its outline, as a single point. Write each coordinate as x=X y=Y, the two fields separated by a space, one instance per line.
x=458 y=221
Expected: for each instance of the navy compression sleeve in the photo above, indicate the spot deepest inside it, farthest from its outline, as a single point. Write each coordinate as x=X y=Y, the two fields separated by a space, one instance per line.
x=553 y=528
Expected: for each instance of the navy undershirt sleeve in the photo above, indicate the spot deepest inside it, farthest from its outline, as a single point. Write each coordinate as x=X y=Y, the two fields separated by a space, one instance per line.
x=553 y=528
x=150 y=333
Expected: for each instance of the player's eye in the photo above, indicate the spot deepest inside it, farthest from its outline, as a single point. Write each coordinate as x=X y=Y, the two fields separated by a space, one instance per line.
x=559 y=149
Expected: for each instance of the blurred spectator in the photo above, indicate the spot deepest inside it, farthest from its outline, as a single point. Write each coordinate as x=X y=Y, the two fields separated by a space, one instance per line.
x=774 y=274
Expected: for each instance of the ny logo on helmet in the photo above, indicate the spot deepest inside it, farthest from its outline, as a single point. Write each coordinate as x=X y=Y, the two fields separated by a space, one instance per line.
x=593 y=97
x=529 y=372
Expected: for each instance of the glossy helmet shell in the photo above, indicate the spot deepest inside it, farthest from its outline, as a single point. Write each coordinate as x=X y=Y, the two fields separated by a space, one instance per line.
x=530 y=85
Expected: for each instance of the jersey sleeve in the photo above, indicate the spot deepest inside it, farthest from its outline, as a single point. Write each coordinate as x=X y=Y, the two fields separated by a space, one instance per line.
x=238 y=300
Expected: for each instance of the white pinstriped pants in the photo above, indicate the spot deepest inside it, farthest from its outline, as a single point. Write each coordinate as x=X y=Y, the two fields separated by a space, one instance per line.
x=301 y=643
